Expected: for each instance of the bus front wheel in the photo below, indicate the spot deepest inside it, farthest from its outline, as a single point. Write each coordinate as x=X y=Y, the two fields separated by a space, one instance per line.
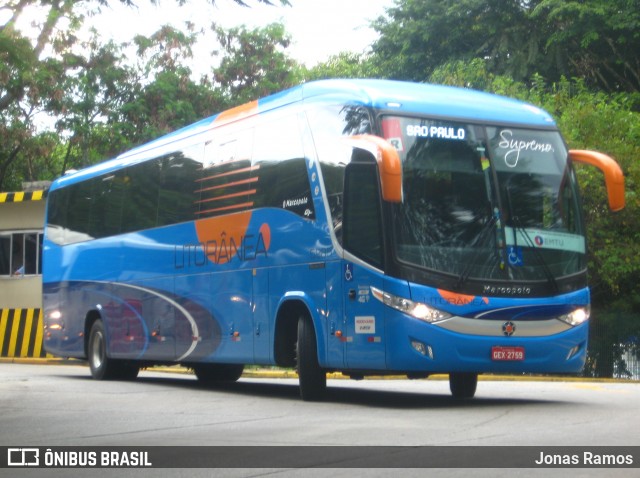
x=463 y=385
x=313 y=379
x=102 y=367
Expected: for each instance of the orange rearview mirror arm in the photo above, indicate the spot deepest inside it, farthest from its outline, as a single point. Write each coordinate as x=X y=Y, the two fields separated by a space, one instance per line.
x=613 y=176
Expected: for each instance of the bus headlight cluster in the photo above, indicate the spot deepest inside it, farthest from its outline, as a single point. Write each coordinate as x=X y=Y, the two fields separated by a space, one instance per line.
x=577 y=317
x=414 y=309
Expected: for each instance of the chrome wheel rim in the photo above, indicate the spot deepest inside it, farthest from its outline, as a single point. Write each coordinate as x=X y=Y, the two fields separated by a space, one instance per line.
x=97 y=350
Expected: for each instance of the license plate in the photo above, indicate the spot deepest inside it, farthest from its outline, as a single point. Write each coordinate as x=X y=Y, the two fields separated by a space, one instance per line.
x=507 y=353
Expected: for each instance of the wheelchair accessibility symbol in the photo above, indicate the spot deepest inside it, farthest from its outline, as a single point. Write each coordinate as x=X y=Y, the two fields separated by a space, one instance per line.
x=348 y=272
x=514 y=255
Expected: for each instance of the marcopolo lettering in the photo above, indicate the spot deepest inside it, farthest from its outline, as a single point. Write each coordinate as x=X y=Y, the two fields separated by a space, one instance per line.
x=288 y=203
x=515 y=290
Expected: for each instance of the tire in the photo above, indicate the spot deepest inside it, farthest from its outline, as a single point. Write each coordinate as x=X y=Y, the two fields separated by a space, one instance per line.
x=102 y=367
x=212 y=373
x=463 y=385
x=313 y=379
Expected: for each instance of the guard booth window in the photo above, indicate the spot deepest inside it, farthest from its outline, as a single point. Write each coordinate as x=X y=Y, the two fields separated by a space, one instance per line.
x=20 y=253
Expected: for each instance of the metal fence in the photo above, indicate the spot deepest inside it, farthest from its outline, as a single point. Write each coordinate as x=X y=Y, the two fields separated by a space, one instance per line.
x=614 y=346
x=630 y=368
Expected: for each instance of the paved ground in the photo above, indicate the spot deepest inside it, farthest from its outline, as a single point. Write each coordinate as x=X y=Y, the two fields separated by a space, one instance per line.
x=62 y=406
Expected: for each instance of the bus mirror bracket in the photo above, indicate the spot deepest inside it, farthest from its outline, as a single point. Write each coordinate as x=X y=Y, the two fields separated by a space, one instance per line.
x=389 y=164
x=613 y=176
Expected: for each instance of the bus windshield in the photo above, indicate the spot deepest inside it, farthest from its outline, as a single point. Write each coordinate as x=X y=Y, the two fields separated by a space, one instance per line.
x=485 y=202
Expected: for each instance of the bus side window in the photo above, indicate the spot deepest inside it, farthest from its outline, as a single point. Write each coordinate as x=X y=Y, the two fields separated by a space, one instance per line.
x=140 y=204
x=79 y=216
x=280 y=167
x=330 y=123
x=226 y=186
x=179 y=195
x=362 y=227
x=106 y=209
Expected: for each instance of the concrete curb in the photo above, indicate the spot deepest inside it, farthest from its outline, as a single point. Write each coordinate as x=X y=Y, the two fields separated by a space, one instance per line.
x=282 y=373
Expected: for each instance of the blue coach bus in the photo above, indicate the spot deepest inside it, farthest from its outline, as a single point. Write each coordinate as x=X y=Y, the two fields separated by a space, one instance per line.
x=362 y=226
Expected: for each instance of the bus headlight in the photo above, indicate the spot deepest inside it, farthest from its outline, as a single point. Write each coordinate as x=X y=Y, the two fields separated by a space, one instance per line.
x=417 y=310
x=577 y=317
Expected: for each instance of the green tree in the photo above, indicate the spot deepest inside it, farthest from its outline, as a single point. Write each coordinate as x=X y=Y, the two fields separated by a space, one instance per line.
x=35 y=71
x=96 y=83
x=254 y=63
x=597 y=40
x=344 y=65
x=417 y=36
x=165 y=95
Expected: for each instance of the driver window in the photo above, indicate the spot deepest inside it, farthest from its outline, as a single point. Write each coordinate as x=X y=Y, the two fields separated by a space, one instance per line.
x=362 y=228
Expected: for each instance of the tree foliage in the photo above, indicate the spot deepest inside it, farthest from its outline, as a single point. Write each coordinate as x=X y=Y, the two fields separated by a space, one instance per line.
x=99 y=101
x=255 y=62
x=597 y=40
x=344 y=65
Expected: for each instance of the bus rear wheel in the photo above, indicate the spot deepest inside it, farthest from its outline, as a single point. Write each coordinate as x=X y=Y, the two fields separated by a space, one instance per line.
x=102 y=367
x=211 y=373
x=463 y=385
x=313 y=379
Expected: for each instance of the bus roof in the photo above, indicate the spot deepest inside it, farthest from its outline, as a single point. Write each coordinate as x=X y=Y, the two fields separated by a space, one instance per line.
x=404 y=97
x=433 y=100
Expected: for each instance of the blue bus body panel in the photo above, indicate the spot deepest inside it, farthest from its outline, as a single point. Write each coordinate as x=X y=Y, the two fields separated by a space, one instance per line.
x=457 y=351
x=454 y=352
x=561 y=351
x=190 y=291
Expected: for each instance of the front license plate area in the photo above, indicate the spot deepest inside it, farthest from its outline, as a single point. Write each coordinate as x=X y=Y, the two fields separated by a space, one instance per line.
x=507 y=354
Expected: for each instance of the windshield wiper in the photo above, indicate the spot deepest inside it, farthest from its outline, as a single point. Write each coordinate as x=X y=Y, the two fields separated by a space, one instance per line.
x=480 y=241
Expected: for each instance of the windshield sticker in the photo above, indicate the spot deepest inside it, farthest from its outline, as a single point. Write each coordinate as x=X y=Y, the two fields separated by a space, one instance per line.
x=441 y=132
x=515 y=146
x=392 y=132
x=514 y=254
x=542 y=239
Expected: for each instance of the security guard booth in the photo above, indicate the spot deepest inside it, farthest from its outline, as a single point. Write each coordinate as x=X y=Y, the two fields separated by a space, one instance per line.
x=21 y=229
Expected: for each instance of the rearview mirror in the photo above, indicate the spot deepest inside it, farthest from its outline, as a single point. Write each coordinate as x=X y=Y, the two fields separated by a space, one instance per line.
x=613 y=176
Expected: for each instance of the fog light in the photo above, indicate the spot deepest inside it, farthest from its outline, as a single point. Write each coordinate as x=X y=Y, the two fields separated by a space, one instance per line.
x=573 y=352
x=422 y=349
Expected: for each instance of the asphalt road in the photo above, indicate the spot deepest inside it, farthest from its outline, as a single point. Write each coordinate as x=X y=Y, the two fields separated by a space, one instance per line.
x=50 y=406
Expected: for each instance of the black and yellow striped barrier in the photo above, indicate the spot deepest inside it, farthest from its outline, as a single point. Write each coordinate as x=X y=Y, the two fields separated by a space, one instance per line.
x=21 y=333
x=21 y=196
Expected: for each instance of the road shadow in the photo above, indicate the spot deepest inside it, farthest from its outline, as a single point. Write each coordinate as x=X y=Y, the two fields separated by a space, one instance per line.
x=340 y=394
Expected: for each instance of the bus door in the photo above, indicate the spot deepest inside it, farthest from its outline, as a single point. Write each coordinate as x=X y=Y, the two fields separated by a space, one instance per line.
x=362 y=239
x=335 y=315
x=364 y=319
